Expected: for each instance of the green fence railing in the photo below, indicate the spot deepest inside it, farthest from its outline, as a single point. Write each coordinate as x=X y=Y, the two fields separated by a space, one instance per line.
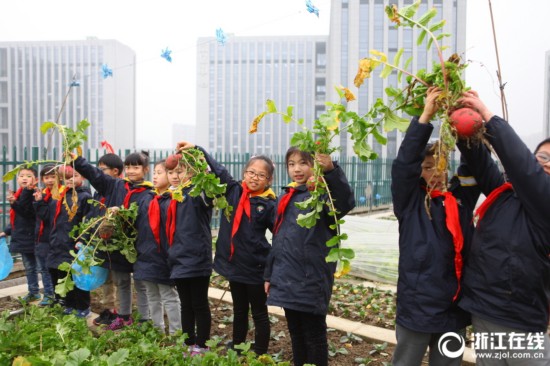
x=369 y=180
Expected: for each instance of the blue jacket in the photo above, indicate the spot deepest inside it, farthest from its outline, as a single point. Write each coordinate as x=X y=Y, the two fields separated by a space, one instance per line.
x=190 y=254
x=427 y=281
x=296 y=268
x=507 y=275
x=114 y=191
x=61 y=243
x=43 y=227
x=251 y=247
x=152 y=263
x=22 y=232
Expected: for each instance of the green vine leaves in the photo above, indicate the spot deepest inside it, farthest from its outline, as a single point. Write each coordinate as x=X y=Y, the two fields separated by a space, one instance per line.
x=319 y=140
x=193 y=163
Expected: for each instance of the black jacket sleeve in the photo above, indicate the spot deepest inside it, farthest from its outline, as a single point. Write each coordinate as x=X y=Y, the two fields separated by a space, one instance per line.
x=340 y=190
x=99 y=180
x=407 y=166
x=531 y=183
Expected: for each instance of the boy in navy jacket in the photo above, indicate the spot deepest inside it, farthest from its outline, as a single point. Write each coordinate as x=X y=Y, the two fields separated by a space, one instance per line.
x=21 y=229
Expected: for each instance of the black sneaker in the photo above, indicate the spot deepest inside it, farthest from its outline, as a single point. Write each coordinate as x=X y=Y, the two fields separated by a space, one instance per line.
x=106 y=317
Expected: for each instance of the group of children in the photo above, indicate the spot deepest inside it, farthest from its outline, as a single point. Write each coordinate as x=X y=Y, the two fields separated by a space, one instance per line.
x=174 y=246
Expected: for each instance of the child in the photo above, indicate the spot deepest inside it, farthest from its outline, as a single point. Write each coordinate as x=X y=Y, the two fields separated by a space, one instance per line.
x=190 y=258
x=42 y=231
x=21 y=229
x=119 y=268
x=122 y=192
x=242 y=248
x=507 y=273
x=430 y=246
x=63 y=216
x=297 y=277
x=151 y=266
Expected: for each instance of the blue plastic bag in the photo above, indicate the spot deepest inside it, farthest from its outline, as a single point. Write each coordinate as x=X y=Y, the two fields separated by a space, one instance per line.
x=6 y=260
x=90 y=281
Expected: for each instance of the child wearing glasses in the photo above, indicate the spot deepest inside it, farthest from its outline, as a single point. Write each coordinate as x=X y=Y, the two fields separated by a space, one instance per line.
x=241 y=247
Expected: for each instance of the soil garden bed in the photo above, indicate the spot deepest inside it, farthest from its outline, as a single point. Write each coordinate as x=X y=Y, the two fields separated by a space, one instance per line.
x=350 y=300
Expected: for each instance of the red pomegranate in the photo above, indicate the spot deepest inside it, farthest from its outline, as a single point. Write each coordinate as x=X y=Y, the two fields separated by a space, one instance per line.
x=172 y=161
x=467 y=122
x=66 y=171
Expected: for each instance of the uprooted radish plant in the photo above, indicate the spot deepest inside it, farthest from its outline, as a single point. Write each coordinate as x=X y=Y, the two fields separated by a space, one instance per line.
x=318 y=140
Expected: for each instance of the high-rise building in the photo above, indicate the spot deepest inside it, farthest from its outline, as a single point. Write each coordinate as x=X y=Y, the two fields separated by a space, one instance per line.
x=63 y=81
x=358 y=26
x=235 y=80
x=546 y=116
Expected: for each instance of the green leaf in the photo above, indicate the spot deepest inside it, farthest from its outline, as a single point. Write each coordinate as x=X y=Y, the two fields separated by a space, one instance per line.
x=386 y=71
x=308 y=220
x=335 y=240
x=77 y=357
x=46 y=126
x=437 y=26
x=381 y=139
x=347 y=253
x=410 y=10
x=118 y=357
x=397 y=57
x=12 y=174
x=420 y=38
x=393 y=121
x=425 y=19
x=271 y=108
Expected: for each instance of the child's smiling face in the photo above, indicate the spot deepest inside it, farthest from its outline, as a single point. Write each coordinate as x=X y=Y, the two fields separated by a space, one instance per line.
x=26 y=178
x=299 y=169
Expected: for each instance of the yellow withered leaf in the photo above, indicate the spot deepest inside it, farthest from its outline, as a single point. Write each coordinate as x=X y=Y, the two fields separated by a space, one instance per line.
x=365 y=68
x=256 y=122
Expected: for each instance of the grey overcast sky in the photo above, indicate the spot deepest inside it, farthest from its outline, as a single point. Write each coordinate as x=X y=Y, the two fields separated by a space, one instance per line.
x=166 y=91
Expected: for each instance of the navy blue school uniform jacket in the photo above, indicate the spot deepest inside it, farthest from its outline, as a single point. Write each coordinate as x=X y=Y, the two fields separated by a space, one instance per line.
x=61 y=243
x=296 y=268
x=22 y=227
x=153 y=255
x=427 y=280
x=251 y=248
x=507 y=275
x=43 y=227
x=190 y=248
x=111 y=191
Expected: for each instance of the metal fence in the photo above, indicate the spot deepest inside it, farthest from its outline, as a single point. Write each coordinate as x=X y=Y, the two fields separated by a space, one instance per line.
x=369 y=180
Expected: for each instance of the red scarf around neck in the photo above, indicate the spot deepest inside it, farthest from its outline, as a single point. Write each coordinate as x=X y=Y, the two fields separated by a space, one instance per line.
x=131 y=191
x=154 y=218
x=244 y=205
x=171 y=221
x=282 y=207
x=491 y=198
x=12 y=211
x=452 y=220
x=59 y=204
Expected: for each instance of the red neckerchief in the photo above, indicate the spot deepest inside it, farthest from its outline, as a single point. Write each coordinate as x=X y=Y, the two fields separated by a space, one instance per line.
x=453 y=225
x=47 y=198
x=171 y=221
x=131 y=191
x=154 y=218
x=244 y=205
x=491 y=198
x=59 y=204
x=12 y=211
x=281 y=208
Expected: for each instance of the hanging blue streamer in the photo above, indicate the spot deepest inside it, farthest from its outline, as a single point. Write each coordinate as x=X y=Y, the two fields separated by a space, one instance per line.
x=166 y=54
x=106 y=71
x=312 y=8
x=221 y=37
